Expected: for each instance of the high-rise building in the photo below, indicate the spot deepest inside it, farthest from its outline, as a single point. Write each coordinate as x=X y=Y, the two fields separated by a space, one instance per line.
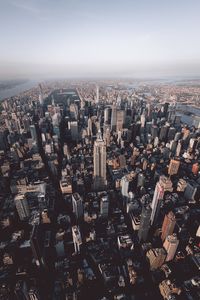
x=114 y=117
x=178 y=148
x=89 y=128
x=164 y=184
x=33 y=132
x=181 y=185
x=192 y=191
x=154 y=131
x=145 y=218
x=156 y=257
x=97 y=94
x=107 y=115
x=77 y=240
x=73 y=126
x=22 y=206
x=104 y=206
x=168 y=225
x=173 y=167
x=158 y=196
x=125 y=181
x=170 y=245
x=120 y=120
x=163 y=132
x=77 y=204
x=99 y=158
x=3 y=140
x=171 y=133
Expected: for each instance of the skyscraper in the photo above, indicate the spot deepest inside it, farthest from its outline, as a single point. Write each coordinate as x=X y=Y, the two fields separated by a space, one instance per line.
x=33 y=132
x=104 y=206
x=168 y=225
x=156 y=257
x=76 y=238
x=157 y=197
x=145 y=218
x=97 y=94
x=173 y=167
x=22 y=207
x=77 y=204
x=99 y=158
x=114 y=117
x=164 y=184
x=170 y=245
x=120 y=120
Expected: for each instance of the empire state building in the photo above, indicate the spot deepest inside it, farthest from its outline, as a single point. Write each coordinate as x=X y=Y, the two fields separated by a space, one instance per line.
x=99 y=163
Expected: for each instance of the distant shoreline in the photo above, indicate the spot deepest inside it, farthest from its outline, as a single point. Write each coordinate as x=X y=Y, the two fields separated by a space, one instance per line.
x=17 y=89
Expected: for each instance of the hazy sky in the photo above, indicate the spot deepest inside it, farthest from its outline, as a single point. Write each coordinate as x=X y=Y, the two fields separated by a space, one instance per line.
x=96 y=38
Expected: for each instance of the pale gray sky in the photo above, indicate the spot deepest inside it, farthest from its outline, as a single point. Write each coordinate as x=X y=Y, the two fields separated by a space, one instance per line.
x=60 y=38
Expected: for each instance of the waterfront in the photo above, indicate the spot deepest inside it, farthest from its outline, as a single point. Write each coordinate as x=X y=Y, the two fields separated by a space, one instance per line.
x=10 y=92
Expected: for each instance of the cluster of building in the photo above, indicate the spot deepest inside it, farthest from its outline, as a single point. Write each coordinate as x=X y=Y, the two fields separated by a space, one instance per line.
x=99 y=195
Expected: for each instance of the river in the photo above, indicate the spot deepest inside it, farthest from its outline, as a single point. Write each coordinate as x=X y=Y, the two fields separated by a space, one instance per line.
x=18 y=89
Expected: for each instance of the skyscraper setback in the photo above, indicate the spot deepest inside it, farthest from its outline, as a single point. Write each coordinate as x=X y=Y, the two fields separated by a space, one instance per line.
x=168 y=225
x=99 y=160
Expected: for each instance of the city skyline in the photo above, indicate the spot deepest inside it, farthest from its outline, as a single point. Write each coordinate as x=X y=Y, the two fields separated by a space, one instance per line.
x=50 y=39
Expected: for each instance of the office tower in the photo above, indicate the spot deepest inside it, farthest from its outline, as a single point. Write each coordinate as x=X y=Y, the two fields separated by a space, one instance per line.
x=168 y=225
x=120 y=120
x=73 y=126
x=164 y=110
x=177 y=136
x=170 y=245
x=178 y=149
x=104 y=206
x=107 y=115
x=99 y=157
x=77 y=204
x=125 y=185
x=89 y=127
x=56 y=119
x=154 y=131
x=168 y=289
x=143 y=120
x=140 y=180
x=114 y=117
x=119 y=137
x=195 y=168
x=22 y=207
x=186 y=133
x=164 y=184
x=158 y=196
x=33 y=132
x=148 y=127
x=181 y=185
x=135 y=221
x=97 y=94
x=192 y=191
x=156 y=257
x=163 y=133
x=106 y=136
x=171 y=133
x=73 y=109
x=192 y=143
x=145 y=218
x=173 y=167
x=41 y=242
x=173 y=147
x=36 y=242
x=122 y=161
x=77 y=240
x=3 y=140
x=196 y=121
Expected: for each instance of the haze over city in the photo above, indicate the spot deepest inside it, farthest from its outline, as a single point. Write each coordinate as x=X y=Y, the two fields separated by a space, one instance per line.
x=120 y=38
